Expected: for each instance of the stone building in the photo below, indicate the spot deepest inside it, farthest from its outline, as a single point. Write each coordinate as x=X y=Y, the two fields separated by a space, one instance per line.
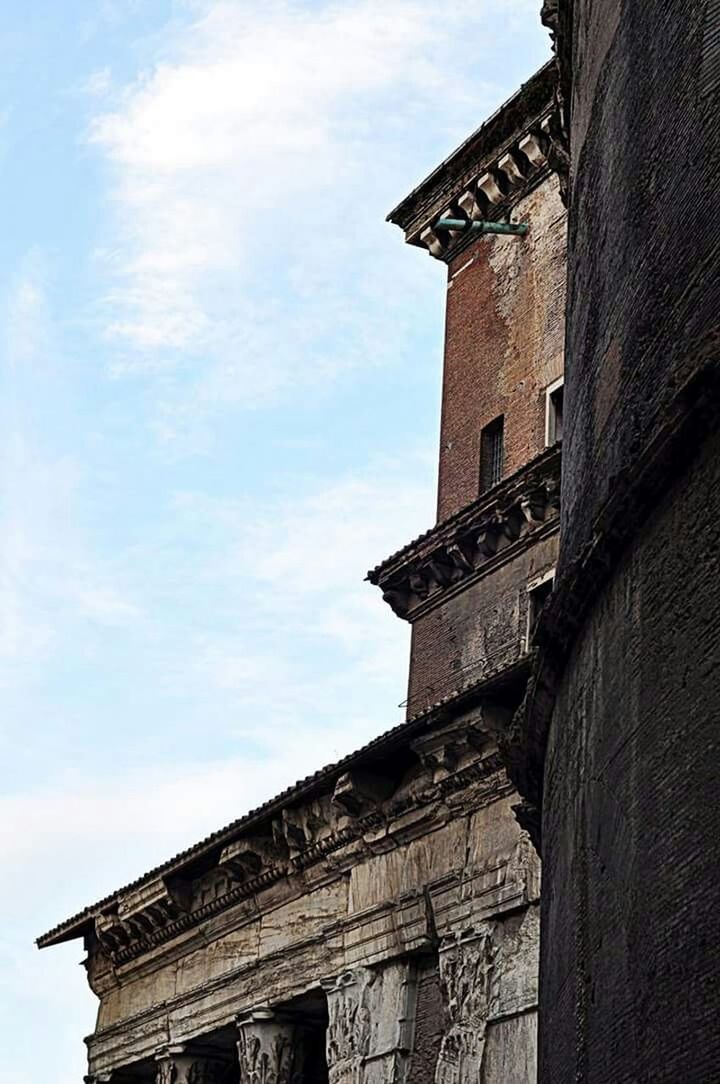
x=378 y=921
x=617 y=748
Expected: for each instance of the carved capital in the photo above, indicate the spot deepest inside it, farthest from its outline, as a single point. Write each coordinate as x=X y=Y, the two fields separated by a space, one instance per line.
x=272 y=1047
x=178 y=1064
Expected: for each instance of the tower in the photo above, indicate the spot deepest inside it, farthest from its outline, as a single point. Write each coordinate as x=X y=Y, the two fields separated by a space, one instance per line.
x=473 y=585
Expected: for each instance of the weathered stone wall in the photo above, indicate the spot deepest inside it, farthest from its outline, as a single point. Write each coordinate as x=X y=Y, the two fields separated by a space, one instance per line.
x=480 y=630
x=503 y=344
x=630 y=984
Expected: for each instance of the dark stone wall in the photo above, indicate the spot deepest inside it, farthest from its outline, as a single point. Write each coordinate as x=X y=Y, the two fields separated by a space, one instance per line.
x=644 y=237
x=630 y=978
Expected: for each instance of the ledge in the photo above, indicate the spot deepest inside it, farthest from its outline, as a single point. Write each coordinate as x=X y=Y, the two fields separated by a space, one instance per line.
x=486 y=176
x=472 y=542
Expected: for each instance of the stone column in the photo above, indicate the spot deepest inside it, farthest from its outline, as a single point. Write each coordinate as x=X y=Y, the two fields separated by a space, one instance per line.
x=371 y=1014
x=271 y=1047
x=178 y=1064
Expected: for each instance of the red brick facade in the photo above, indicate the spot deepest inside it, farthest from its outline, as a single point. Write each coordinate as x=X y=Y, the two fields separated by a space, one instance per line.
x=503 y=344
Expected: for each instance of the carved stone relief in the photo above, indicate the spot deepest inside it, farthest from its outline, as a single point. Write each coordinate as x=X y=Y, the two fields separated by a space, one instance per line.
x=179 y=1065
x=302 y=826
x=371 y=1017
x=271 y=1048
x=467 y=976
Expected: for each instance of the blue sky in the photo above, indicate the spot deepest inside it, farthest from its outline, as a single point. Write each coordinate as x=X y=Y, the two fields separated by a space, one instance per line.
x=220 y=386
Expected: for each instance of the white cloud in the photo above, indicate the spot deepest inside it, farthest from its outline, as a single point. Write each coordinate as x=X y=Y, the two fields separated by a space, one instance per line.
x=253 y=168
x=288 y=576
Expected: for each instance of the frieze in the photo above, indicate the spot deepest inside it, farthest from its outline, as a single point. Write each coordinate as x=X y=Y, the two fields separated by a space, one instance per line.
x=473 y=541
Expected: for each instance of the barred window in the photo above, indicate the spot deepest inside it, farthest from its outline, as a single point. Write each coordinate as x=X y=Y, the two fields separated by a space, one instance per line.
x=491 y=454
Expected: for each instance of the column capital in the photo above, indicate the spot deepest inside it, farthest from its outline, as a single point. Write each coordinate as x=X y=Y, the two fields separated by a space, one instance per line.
x=272 y=1046
x=180 y=1064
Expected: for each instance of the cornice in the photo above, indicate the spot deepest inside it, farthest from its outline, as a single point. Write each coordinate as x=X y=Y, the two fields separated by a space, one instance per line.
x=360 y=816
x=487 y=175
x=253 y=832
x=473 y=542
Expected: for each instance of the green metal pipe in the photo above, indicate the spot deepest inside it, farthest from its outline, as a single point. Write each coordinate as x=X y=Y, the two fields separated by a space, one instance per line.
x=516 y=229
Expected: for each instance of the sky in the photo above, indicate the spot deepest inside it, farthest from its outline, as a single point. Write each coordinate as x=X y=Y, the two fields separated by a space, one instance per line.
x=219 y=405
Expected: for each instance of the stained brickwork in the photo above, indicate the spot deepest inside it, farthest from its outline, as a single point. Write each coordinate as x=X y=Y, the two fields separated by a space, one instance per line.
x=478 y=631
x=503 y=344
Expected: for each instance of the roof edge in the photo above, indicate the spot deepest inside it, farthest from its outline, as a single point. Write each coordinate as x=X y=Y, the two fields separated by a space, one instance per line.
x=530 y=98
x=83 y=922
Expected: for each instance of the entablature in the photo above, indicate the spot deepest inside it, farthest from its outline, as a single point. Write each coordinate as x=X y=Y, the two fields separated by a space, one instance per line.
x=402 y=786
x=473 y=541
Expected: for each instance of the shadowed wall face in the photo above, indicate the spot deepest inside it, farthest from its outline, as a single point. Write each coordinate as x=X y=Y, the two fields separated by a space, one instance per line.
x=630 y=985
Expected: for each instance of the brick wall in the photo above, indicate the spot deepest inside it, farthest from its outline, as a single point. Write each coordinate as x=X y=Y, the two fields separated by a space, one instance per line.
x=630 y=977
x=430 y=1024
x=503 y=344
x=477 y=630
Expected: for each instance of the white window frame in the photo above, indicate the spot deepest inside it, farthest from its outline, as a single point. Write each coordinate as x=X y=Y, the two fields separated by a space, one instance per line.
x=559 y=383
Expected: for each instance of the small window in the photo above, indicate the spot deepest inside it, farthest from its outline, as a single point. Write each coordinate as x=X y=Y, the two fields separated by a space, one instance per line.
x=538 y=594
x=491 y=454
x=554 y=413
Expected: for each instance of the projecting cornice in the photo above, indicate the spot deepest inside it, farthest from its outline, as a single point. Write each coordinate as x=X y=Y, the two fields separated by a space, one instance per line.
x=352 y=803
x=474 y=541
x=487 y=175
